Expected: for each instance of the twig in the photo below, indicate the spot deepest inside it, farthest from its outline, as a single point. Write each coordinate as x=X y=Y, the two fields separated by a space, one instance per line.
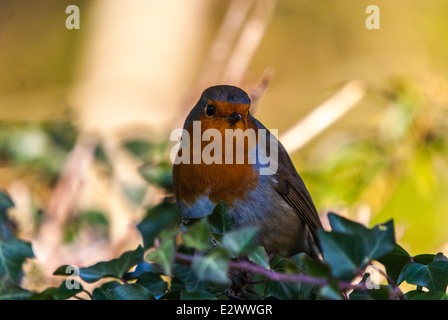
x=257 y=91
x=249 y=41
x=277 y=276
x=323 y=116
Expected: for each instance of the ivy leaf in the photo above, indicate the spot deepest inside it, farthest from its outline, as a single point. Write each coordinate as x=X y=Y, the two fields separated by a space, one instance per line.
x=241 y=241
x=5 y=202
x=100 y=293
x=315 y=268
x=116 y=268
x=153 y=282
x=64 y=292
x=423 y=295
x=260 y=257
x=395 y=261
x=221 y=220
x=197 y=295
x=13 y=252
x=6 y=231
x=198 y=236
x=343 y=252
x=130 y=291
x=280 y=289
x=161 y=217
x=164 y=255
x=433 y=276
x=377 y=241
x=11 y=291
x=213 y=266
x=189 y=278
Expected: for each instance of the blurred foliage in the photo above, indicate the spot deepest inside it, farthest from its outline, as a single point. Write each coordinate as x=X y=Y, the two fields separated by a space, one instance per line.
x=399 y=172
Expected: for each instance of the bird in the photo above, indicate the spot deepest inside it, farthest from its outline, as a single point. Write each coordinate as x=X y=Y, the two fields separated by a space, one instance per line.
x=277 y=202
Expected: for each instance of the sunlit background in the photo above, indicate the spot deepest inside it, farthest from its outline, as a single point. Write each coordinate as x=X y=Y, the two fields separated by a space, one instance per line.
x=81 y=110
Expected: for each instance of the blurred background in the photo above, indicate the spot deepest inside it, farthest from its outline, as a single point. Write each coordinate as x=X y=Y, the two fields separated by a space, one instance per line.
x=86 y=114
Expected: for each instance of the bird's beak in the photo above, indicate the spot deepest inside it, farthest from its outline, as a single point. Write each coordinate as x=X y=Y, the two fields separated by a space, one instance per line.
x=234 y=118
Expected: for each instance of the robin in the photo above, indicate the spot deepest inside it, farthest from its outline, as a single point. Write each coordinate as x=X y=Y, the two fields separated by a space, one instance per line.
x=276 y=200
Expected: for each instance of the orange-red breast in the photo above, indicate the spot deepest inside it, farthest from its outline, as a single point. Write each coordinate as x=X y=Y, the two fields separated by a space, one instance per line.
x=278 y=203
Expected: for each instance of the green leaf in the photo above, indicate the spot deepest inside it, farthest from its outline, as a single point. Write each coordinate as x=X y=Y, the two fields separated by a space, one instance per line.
x=433 y=276
x=130 y=291
x=100 y=293
x=116 y=268
x=395 y=261
x=189 y=278
x=241 y=241
x=13 y=252
x=331 y=291
x=280 y=289
x=197 y=295
x=213 y=266
x=260 y=257
x=377 y=241
x=153 y=282
x=161 y=217
x=158 y=174
x=11 y=291
x=5 y=201
x=221 y=220
x=47 y=294
x=315 y=268
x=64 y=292
x=198 y=236
x=422 y=295
x=424 y=258
x=343 y=252
x=164 y=255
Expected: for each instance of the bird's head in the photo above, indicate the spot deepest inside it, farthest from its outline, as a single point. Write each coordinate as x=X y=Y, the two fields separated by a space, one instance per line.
x=221 y=107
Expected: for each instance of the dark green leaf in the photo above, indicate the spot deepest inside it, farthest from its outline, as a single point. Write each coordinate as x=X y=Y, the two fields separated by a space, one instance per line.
x=213 y=266
x=130 y=291
x=5 y=202
x=161 y=217
x=377 y=241
x=197 y=236
x=47 y=294
x=433 y=276
x=197 y=295
x=394 y=262
x=100 y=293
x=153 y=282
x=13 y=252
x=116 y=268
x=10 y=291
x=67 y=289
x=241 y=241
x=142 y=268
x=287 y=290
x=424 y=258
x=343 y=252
x=189 y=278
x=422 y=295
x=315 y=268
x=221 y=220
x=331 y=291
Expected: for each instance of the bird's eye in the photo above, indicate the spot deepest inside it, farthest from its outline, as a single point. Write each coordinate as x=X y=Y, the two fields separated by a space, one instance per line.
x=209 y=110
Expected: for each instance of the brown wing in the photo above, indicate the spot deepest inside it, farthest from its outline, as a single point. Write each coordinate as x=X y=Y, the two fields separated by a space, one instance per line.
x=292 y=188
